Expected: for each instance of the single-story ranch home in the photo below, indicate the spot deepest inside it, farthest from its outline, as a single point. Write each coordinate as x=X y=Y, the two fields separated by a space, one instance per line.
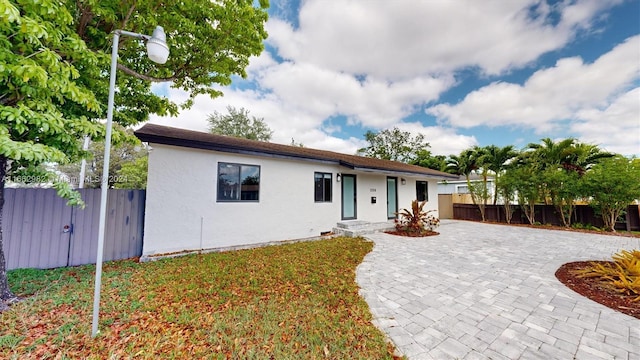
x=208 y=191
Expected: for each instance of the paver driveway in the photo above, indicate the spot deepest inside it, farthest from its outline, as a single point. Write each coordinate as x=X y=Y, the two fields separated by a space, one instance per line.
x=480 y=291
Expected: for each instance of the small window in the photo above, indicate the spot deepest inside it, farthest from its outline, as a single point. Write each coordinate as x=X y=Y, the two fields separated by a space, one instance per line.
x=322 y=186
x=237 y=182
x=422 y=191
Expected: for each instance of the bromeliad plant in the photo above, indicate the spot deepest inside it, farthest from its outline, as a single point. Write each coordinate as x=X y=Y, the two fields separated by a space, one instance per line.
x=416 y=220
x=623 y=273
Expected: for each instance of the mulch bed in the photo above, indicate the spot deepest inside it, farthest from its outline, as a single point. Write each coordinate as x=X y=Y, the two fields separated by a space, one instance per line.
x=564 y=228
x=412 y=234
x=596 y=290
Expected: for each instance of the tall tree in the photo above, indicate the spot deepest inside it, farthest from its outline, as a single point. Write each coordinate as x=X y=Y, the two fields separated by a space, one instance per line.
x=472 y=161
x=561 y=165
x=54 y=61
x=581 y=157
x=238 y=123
x=549 y=153
x=35 y=81
x=563 y=188
x=463 y=164
x=525 y=181
x=496 y=159
x=613 y=185
x=133 y=175
x=210 y=41
x=126 y=149
x=394 y=144
x=480 y=191
x=424 y=158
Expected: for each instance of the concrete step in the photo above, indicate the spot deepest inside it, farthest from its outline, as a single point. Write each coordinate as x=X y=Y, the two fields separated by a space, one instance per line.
x=358 y=227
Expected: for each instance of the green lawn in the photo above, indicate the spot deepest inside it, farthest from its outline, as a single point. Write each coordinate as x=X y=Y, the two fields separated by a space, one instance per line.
x=291 y=301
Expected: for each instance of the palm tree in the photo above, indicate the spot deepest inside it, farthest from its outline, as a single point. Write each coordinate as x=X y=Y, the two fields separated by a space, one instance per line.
x=469 y=161
x=561 y=165
x=582 y=157
x=547 y=157
x=567 y=154
x=496 y=159
x=463 y=164
x=550 y=154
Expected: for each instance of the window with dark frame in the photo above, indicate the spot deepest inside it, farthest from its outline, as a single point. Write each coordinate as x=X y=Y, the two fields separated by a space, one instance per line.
x=238 y=182
x=322 y=186
x=422 y=190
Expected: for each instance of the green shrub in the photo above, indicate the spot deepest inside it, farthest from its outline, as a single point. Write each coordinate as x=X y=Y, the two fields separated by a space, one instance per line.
x=581 y=226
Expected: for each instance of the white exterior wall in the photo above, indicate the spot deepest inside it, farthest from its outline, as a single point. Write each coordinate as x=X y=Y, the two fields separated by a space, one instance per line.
x=453 y=187
x=368 y=185
x=408 y=192
x=182 y=212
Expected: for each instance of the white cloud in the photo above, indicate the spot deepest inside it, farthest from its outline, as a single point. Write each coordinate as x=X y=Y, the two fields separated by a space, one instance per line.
x=290 y=121
x=550 y=95
x=443 y=141
x=287 y=122
x=616 y=127
x=325 y=93
x=402 y=39
x=259 y=63
x=376 y=62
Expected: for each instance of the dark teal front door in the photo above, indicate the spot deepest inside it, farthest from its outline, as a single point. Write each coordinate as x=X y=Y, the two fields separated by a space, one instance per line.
x=349 y=197
x=392 y=197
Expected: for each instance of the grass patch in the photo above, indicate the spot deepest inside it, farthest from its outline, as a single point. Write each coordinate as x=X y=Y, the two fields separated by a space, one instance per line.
x=291 y=301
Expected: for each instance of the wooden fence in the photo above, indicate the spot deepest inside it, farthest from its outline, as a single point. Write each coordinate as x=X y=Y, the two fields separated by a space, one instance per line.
x=547 y=214
x=41 y=231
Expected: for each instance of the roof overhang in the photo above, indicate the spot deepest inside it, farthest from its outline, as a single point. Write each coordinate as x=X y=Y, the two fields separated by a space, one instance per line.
x=157 y=134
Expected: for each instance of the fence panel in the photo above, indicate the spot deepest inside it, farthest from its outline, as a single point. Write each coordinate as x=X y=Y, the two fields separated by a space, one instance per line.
x=445 y=206
x=33 y=233
x=547 y=214
x=41 y=231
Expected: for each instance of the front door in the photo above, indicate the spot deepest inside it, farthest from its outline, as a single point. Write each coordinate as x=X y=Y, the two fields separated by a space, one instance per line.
x=348 y=197
x=392 y=197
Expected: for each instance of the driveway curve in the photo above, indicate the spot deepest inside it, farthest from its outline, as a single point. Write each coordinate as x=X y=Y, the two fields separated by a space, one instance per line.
x=485 y=291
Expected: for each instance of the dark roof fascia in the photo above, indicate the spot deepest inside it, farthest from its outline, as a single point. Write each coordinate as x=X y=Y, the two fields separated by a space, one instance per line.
x=225 y=149
x=346 y=164
x=405 y=173
x=194 y=144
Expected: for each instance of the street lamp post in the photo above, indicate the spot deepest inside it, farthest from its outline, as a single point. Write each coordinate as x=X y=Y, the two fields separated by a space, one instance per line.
x=158 y=52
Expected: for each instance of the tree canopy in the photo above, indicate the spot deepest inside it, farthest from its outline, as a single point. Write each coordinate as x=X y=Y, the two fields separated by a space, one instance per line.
x=54 y=69
x=125 y=154
x=394 y=144
x=210 y=41
x=238 y=123
x=613 y=184
x=54 y=60
x=425 y=158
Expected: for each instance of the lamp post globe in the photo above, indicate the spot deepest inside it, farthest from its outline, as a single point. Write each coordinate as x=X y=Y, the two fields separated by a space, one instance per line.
x=157 y=48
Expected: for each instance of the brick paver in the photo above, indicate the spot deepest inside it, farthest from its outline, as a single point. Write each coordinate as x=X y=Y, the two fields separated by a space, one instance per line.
x=485 y=291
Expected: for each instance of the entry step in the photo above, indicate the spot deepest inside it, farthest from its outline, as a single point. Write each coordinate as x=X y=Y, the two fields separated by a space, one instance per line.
x=360 y=227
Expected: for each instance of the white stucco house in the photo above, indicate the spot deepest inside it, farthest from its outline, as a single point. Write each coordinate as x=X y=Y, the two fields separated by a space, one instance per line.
x=208 y=191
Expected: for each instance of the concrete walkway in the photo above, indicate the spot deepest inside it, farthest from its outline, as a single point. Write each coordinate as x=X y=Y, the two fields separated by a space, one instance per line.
x=481 y=291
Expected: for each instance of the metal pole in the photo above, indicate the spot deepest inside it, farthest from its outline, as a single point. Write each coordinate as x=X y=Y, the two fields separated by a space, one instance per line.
x=105 y=184
x=83 y=164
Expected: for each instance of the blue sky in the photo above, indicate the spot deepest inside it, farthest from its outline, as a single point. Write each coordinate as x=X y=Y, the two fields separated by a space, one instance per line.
x=462 y=73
